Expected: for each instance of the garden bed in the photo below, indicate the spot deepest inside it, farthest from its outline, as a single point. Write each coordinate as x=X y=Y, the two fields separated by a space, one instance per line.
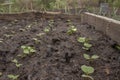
x=56 y=54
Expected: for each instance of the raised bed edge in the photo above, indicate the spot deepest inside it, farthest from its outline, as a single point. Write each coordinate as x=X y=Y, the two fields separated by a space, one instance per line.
x=33 y=15
x=108 y=26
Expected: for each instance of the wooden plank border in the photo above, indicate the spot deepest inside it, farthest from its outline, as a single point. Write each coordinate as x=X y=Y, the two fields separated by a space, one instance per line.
x=108 y=26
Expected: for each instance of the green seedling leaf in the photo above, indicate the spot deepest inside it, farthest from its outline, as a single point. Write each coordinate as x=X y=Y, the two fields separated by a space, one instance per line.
x=75 y=30
x=85 y=48
x=72 y=30
x=28 y=47
x=87 y=76
x=118 y=47
x=82 y=39
x=95 y=57
x=32 y=50
x=35 y=39
x=50 y=25
x=87 y=69
x=86 y=56
x=87 y=45
x=46 y=30
x=15 y=61
x=69 y=32
x=23 y=47
x=18 y=65
x=13 y=77
x=26 y=51
x=22 y=55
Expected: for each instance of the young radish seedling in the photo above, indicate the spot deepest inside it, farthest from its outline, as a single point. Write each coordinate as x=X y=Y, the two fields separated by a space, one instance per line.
x=16 y=63
x=50 y=25
x=46 y=30
x=36 y=40
x=71 y=30
x=85 y=43
x=88 y=57
x=13 y=77
x=69 y=22
x=87 y=46
x=51 y=22
x=87 y=71
x=27 y=50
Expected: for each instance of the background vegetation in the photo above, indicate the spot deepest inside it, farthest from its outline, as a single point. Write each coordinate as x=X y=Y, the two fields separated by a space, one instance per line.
x=10 y=6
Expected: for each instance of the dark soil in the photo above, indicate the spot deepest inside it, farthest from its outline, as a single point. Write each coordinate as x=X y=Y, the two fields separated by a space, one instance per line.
x=58 y=55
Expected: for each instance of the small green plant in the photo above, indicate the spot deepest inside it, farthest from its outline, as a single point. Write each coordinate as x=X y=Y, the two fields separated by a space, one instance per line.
x=36 y=40
x=50 y=26
x=88 y=57
x=51 y=22
x=117 y=47
x=82 y=39
x=87 y=46
x=13 y=77
x=27 y=50
x=87 y=71
x=71 y=30
x=16 y=63
x=28 y=26
x=69 y=22
x=46 y=30
x=85 y=43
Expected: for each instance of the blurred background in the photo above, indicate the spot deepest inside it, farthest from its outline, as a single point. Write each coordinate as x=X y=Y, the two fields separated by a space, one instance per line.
x=109 y=8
